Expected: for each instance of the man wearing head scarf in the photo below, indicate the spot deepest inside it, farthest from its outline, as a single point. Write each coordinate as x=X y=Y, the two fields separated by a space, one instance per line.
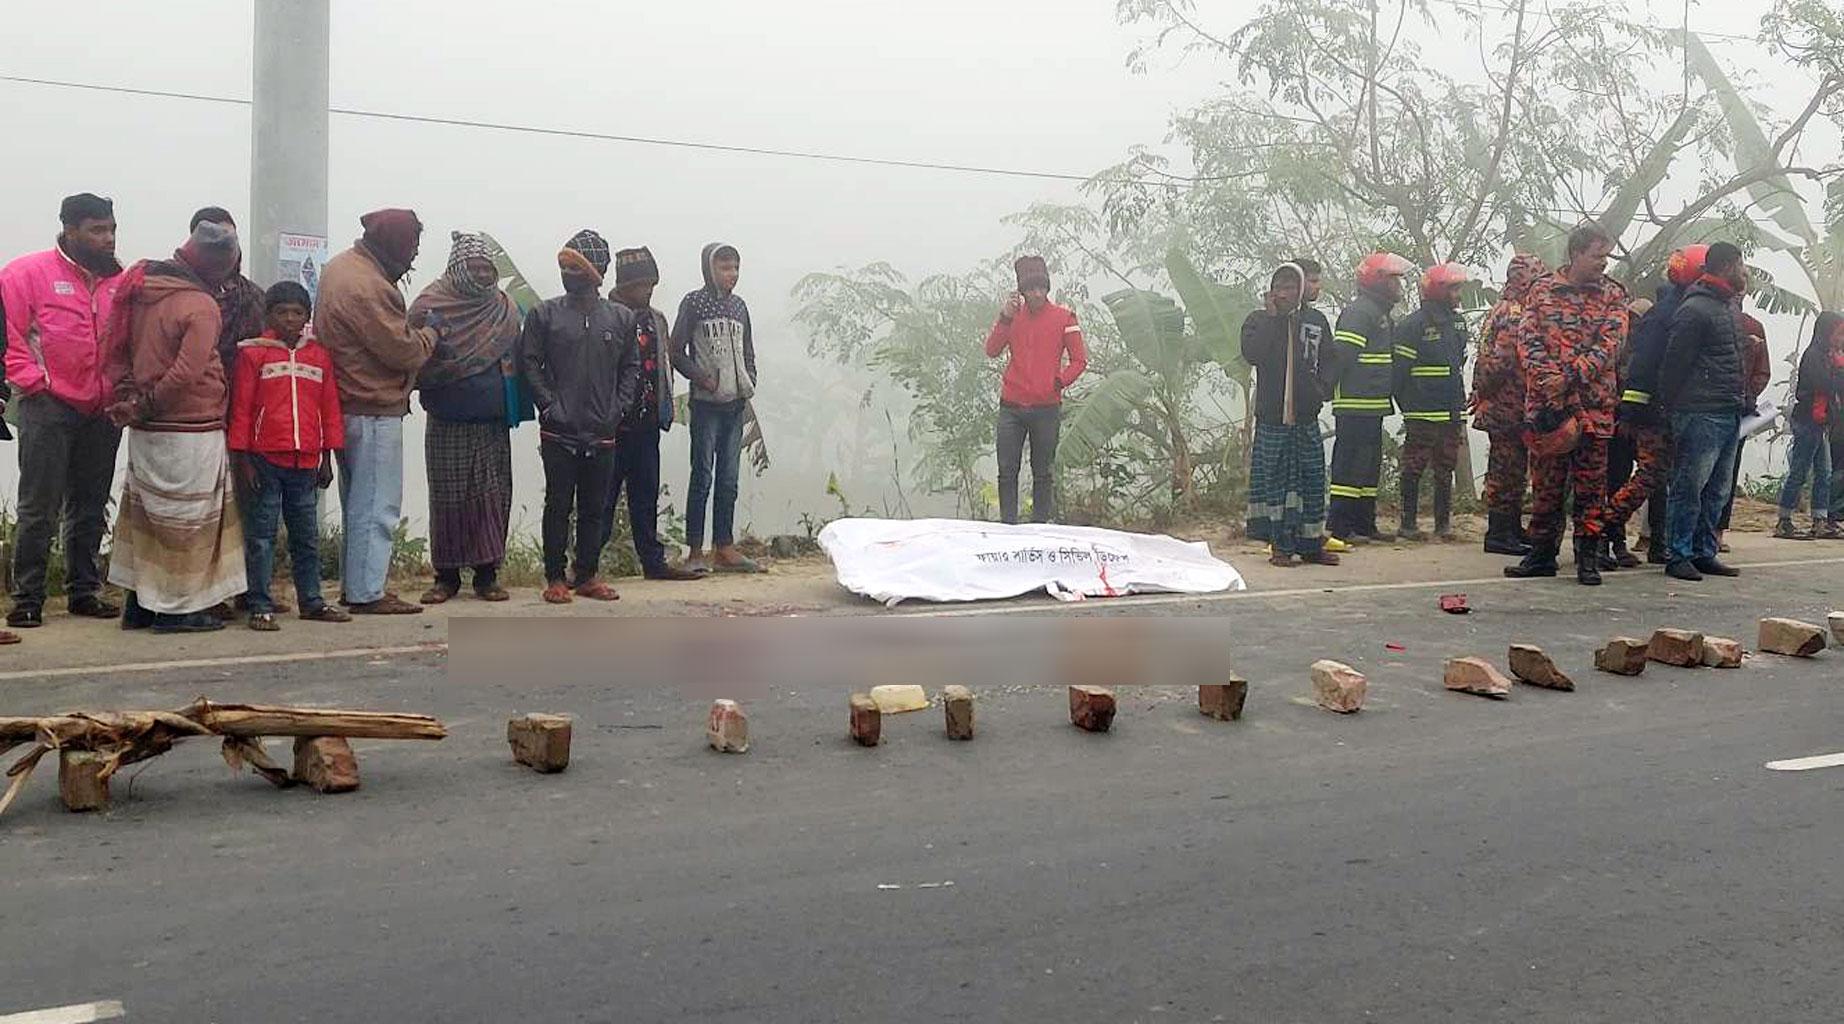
x=240 y=301
x=637 y=446
x=582 y=366
x=178 y=547
x=1283 y=342
x=57 y=305
x=377 y=346
x=1498 y=410
x=467 y=445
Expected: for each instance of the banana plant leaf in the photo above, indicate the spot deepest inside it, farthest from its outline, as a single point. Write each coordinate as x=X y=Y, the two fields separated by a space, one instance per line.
x=1100 y=416
x=1216 y=312
x=1776 y=195
x=1153 y=329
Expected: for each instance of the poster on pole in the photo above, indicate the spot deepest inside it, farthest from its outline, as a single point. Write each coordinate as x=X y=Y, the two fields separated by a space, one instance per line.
x=301 y=259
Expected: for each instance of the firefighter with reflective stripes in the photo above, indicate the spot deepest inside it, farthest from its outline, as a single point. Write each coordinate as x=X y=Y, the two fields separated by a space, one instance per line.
x=1430 y=353
x=1360 y=370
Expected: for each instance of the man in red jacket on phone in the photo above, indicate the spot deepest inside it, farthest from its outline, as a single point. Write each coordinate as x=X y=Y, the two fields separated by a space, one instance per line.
x=1038 y=333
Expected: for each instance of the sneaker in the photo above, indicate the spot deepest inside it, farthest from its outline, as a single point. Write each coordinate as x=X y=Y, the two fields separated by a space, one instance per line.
x=325 y=613
x=1827 y=530
x=1714 y=567
x=264 y=622
x=25 y=616
x=1684 y=571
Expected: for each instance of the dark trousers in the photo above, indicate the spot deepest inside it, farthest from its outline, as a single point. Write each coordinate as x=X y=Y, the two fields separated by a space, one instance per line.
x=66 y=466
x=1357 y=466
x=1735 y=486
x=282 y=494
x=1041 y=426
x=576 y=482
x=1837 y=471
x=716 y=471
x=637 y=470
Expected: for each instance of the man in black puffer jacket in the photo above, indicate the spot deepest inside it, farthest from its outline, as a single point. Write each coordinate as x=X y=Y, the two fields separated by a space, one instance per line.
x=1702 y=386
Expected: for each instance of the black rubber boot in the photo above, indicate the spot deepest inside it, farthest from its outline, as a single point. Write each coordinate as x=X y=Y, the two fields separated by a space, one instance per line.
x=1411 y=510
x=1501 y=535
x=1443 y=509
x=1604 y=556
x=1517 y=524
x=1622 y=557
x=1588 y=561
x=1540 y=562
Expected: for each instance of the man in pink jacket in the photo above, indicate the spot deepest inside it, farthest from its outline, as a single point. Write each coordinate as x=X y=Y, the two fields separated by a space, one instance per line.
x=57 y=302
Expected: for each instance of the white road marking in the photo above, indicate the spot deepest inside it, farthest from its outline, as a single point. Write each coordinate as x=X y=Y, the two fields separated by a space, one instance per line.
x=80 y=1013
x=1806 y=764
x=434 y=647
x=1159 y=600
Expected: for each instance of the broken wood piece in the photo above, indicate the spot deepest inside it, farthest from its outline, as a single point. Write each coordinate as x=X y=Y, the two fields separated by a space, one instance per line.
x=541 y=742
x=1223 y=701
x=326 y=763
x=1091 y=708
x=265 y=720
x=83 y=780
x=867 y=721
x=957 y=707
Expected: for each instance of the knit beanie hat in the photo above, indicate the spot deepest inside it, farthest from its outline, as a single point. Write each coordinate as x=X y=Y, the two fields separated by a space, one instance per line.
x=212 y=251
x=634 y=266
x=1033 y=272
x=586 y=252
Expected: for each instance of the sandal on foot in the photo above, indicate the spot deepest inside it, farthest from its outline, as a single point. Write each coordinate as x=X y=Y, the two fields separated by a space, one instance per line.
x=263 y=622
x=492 y=592
x=596 y=590
x=557 y=593
x=326 y=613
x=438 y=594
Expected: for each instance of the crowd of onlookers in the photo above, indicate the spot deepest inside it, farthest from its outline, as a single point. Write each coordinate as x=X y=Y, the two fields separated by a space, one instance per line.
x=1594 y=401
x=239 y=402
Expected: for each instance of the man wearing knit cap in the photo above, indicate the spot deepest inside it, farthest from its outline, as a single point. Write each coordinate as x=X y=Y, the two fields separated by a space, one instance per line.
x=583 y=369
x=57 y=304
x=1046 y=356
x=377 y=346
x=637 y=440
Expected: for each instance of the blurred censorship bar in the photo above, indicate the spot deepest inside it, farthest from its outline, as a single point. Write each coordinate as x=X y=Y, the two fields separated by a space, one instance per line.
x=734 y=657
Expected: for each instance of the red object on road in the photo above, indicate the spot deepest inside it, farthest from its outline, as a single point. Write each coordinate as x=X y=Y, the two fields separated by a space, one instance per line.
x=1398 y=648
x=1454 y=604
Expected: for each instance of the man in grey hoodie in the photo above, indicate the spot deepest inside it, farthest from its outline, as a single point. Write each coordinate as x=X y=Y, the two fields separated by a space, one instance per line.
x=713 y=345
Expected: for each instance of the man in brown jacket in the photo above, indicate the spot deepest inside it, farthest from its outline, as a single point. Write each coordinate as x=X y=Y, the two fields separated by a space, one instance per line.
x=178 y=540
x=377 y=347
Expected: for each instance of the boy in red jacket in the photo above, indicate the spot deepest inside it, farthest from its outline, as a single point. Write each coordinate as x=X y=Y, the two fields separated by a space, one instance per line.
x=1037 y=333
x=284 y=422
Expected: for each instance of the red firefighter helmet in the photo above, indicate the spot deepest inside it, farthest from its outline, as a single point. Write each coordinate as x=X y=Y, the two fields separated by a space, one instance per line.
x=1379 y=266
x=1442 y=276
x=1686 y=265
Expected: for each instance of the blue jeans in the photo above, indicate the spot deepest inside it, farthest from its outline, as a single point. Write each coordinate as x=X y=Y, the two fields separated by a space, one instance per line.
x=1811 y=455
x=370 y=503
x=716 y=450
x=288 y=495
x=1702 y=479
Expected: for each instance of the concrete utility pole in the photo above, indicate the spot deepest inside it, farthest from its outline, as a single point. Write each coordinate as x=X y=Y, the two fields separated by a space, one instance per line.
x=288 y=130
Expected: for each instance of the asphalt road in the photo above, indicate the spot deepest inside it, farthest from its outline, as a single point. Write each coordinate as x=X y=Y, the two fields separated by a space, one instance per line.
x=1618 y=853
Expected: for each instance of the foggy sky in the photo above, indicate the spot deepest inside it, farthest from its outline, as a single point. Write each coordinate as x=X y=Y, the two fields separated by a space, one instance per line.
x=1036 y=84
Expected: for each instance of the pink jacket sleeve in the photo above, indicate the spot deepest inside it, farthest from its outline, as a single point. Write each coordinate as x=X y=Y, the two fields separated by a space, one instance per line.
x=21 y=369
